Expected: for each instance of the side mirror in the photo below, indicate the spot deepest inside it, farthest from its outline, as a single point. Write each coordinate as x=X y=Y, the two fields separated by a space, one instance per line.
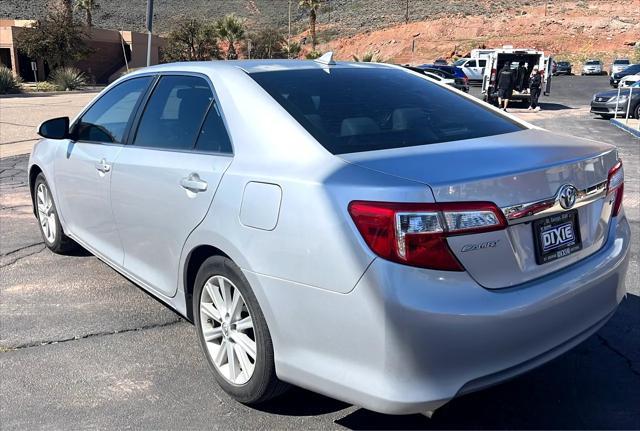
x=56 y=128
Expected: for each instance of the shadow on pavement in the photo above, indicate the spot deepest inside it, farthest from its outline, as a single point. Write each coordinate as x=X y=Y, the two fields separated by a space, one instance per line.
x=554 y=106
x=594 y=386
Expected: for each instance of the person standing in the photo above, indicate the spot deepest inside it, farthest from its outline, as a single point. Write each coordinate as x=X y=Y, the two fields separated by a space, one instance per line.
x=506 y=80
x=535 y=87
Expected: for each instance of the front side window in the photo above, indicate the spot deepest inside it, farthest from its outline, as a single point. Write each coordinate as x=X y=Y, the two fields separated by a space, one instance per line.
x=107 y=119
x=174 y=113
x=350 y=109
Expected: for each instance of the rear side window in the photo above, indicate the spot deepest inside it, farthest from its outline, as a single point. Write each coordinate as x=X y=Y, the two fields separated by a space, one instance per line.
x=213 y=136
x=174 y=113
x=107 y=119
x=482 y=63
x=362 y=109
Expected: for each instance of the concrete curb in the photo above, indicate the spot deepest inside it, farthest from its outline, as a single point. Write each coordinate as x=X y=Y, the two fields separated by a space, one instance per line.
x=49 y=93
x=620 y=124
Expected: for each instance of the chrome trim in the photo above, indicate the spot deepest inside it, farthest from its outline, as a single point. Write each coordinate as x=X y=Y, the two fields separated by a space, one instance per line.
x=523 y=213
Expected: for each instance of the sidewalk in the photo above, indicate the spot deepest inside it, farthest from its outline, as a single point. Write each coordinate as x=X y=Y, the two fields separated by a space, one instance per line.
x=630 y=125
x=20 y=115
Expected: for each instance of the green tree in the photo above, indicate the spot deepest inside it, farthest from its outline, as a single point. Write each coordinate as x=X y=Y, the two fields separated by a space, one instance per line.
x=267 y=43
x=191 y=40
x=88 y=6
x=56 y=38
x=312 y=6
x=231 y=29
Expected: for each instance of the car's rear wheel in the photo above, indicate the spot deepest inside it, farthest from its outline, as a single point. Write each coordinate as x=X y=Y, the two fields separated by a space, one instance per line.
x=233 y=333
x=50 y=227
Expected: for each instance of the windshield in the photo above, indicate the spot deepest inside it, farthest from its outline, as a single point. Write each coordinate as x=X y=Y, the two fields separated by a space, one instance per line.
x=592 y=63
x=563 y=63
x=459 y=62
x=362 y=109
x=621 y=62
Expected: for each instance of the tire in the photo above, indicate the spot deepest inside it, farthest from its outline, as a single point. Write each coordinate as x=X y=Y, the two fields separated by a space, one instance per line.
x=48 y=220
x=636 y=111
x=243 y=382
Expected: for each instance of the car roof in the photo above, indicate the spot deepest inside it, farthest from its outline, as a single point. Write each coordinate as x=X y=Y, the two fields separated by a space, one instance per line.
x=255 y=66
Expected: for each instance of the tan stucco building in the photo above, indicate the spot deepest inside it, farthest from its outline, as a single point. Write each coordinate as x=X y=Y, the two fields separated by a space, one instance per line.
x=107 y=61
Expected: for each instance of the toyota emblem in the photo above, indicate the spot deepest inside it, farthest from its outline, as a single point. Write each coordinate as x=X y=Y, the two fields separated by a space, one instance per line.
x=567 y=196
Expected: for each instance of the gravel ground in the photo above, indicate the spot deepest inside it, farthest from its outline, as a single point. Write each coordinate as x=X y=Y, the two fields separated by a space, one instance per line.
x=82 y=347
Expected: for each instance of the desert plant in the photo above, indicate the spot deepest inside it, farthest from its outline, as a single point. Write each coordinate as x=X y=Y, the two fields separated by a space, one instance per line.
x=312 y=6
x=56 y=38
x=266 y=43
x=68 y=78
x=191 y=40
x=291 y=49
x=9 y=83
x=367 y=57
x=230 y=29
x=88 y=6
x=312 y=55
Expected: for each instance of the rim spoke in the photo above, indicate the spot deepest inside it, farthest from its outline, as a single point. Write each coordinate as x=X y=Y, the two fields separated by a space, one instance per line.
x=211 y=334
x=215 y=297
x=227 y=296
x=222 y=353
x=236 y=305
x=210 y=311
x=244 y=324
x=231 y=360
x=245 y=364
x=246 y=343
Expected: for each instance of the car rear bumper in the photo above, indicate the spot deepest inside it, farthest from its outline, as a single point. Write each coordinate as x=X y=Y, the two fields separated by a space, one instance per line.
x=407 y=340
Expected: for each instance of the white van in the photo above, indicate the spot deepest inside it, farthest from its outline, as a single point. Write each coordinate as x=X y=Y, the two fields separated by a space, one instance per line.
x=513 y=57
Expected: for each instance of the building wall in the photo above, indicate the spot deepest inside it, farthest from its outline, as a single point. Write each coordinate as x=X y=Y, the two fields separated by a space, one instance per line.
x=105 y=62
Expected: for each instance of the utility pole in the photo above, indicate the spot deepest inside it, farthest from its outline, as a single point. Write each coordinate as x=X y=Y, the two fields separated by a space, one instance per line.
x=406 y=16
x=149 y=29
x=289 y=37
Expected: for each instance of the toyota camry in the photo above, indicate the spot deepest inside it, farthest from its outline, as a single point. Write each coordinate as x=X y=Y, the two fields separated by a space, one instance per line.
x=359 y=230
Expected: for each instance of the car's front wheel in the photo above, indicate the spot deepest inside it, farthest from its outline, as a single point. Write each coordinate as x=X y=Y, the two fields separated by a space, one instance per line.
x=233 y=333
x=50 y=227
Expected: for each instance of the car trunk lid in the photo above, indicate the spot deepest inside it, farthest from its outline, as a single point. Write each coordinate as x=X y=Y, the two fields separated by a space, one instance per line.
x=510 y=170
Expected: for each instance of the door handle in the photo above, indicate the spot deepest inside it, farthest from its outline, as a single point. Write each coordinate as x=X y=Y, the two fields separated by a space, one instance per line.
x=193 y=183
x=103 y=166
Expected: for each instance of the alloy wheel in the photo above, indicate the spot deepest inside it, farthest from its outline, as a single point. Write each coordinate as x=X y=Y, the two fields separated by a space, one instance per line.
x=227 y=329
x=46 y=216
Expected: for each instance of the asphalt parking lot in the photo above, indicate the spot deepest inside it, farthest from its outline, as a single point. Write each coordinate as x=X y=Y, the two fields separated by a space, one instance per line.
x=82 y=347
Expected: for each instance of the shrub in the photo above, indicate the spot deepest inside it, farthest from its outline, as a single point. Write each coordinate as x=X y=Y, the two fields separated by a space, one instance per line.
x=312 y=55
x=191 y=40
x=68 y=78
x=291 y=49
x=8 y=82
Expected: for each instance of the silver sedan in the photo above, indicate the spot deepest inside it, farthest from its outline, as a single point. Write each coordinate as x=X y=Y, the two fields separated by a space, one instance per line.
x=355 y=229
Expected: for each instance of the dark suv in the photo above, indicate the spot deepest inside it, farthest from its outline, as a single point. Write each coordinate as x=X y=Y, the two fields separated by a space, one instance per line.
x=614 y=80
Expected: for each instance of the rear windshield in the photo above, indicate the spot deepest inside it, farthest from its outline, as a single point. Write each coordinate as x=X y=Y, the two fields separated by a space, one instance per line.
x=363 y=109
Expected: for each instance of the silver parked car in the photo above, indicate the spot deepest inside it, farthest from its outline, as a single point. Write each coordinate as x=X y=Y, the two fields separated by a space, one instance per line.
x=355 y=229
x=592 y=67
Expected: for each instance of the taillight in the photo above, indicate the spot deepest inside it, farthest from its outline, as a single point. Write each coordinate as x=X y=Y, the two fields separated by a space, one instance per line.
x=493 y=76
x=615 y=184
x=415 y=234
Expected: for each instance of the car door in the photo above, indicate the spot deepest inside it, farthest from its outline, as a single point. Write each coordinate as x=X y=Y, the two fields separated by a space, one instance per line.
x=83 y=169
x=164 y=180
x=482 y=64
x=470 y=70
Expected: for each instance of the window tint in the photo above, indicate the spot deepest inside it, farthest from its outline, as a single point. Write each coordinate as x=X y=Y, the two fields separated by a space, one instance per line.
x=213 y=136
x=482 y=63
x=471 y=63
x=107 y=119
x=362 y=109
x=174 y=113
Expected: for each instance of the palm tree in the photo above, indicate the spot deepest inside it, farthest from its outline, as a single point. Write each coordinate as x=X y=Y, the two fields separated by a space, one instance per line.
x=88 y=6
x=312 y=6
x=231 y=29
